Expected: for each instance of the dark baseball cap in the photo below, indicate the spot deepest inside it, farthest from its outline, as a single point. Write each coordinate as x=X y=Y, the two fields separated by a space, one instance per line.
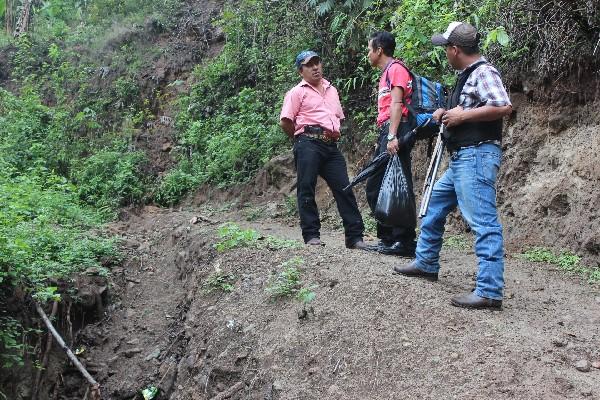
x=305 y=56
x=458 y=34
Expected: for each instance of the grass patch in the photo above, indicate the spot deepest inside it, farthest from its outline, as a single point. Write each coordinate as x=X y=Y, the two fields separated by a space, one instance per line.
x=290 y=206
x=370 y=225
x=254 y=213
x=456 y=242
x=565 y=261
x=232 y=236
x=274 y=243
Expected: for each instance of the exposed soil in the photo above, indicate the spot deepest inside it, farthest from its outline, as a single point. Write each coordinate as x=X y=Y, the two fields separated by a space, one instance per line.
x=368 y=334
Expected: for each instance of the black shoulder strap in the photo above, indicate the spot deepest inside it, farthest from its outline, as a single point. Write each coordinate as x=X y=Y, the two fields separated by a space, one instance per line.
x=454 y=98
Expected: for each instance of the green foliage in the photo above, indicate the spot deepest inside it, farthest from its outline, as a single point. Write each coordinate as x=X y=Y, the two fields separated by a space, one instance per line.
x=290 y=205
x=566 y=261
x=457 y=242
x=370 y=225
x=286 y=283
x=231 y=146
x=109 y=179
x=44 y=234
x=228 y=124
x=232 y=236
x=497 y=35
x=306 y=295
x=11 y=345
x=274 y=243
x=174 y=185
x=219 y=281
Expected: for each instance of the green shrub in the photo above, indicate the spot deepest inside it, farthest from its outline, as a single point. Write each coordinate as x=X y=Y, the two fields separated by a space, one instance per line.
x=45 y=235
x=110 y=179
x=11 y=343
x=233 y=236
x=286 y=282
x=174 y=186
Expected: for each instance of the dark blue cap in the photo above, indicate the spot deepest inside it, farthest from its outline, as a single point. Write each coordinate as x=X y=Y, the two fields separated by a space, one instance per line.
x=304 y=57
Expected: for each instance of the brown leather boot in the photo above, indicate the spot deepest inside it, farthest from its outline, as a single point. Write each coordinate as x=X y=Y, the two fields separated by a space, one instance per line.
x=411 y=269
x=471 y=300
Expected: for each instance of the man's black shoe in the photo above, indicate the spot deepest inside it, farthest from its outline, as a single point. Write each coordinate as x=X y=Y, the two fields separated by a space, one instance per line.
x=411 y=269
x=471 y=300
x=396 y=249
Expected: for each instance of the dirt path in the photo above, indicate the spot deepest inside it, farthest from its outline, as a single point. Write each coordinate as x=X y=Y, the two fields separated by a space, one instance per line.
x=373 y=335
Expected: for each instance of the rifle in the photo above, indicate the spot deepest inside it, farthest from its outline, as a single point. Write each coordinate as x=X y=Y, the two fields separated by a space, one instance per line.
x=432 y=170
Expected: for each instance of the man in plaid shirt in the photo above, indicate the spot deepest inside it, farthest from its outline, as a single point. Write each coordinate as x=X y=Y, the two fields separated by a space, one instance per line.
x=473 y=136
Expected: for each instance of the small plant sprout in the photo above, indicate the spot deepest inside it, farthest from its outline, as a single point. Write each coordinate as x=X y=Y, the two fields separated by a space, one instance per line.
x=219 y=281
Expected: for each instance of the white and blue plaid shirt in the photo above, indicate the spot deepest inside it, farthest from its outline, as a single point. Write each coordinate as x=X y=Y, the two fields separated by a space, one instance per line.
x=484 y=86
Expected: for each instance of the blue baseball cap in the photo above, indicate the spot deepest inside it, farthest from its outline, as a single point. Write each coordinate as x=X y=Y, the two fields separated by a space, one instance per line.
x=305 y=56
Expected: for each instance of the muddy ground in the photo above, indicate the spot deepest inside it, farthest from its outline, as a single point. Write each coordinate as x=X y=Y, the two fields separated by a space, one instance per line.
x=368 y=334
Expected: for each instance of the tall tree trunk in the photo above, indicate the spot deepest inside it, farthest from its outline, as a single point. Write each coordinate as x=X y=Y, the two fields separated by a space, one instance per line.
x=8 y=16
x=23 y=21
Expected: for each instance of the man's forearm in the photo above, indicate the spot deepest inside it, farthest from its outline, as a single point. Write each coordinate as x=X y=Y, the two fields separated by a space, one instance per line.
x=288 y=127
x=486 y=113
x=395 y=117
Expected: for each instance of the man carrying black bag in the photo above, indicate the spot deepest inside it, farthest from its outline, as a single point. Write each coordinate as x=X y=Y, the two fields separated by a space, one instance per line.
x=392 y=120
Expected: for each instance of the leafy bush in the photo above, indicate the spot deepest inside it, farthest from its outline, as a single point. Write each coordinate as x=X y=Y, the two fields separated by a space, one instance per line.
x=44 y=234
x=174 y=186
x=110 y=179
x=233 y=236
x=12 y=346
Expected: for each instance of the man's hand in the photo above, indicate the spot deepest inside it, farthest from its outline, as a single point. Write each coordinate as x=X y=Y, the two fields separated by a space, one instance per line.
x=437 y=115
x=392 y=146
x=453 y=117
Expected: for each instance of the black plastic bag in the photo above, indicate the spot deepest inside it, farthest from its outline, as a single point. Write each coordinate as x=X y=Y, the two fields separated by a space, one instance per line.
x=395 y=204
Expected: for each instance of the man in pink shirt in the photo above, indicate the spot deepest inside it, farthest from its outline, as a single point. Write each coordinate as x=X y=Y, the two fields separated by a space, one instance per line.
x=311 y=116
x=395 y=88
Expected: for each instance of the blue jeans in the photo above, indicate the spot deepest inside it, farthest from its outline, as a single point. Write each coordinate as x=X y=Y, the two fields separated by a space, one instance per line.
x=470 y=183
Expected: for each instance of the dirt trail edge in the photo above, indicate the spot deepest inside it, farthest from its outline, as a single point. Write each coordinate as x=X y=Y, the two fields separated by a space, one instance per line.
x=369 y=335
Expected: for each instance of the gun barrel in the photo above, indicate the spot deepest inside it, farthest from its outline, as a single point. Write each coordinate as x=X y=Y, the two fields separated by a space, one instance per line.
x=432 y=171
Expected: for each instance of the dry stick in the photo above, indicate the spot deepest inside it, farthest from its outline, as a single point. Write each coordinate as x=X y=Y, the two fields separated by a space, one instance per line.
x=68 y=318
x=95 y=386
x=229 y=392
x=38 y=377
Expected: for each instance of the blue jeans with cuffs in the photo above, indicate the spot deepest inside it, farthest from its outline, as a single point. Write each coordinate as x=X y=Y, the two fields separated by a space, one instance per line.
x=470 y=183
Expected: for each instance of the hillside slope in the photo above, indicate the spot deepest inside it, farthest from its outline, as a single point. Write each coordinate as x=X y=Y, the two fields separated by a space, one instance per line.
x=368 y=334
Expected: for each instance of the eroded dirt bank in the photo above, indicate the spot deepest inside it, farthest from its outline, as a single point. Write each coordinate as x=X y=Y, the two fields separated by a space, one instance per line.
x=372 y=335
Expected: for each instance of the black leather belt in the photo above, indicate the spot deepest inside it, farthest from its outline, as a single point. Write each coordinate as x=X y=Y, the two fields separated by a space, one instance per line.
x=453 y=150
x=317 y=132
